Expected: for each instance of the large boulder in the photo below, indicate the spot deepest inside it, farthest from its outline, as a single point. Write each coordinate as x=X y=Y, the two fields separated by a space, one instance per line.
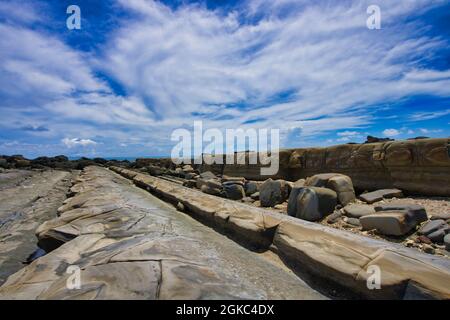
x=340 y=183
x=374 y=196
x=273 y=192
x=314 y=203
x=234 y=191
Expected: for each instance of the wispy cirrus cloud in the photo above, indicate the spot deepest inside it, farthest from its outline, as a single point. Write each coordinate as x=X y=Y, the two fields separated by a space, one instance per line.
x=310 y=69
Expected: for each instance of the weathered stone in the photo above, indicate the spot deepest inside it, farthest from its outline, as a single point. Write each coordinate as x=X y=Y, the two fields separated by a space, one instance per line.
x=233 y=179
x=210 y=190
x=208 y=175
x=334 y=217
x=353 y=221
x=273 y=192
x=432 y=226
x=314 y=203
x=447 y=242
x=292 y=201
x=248 y=200
x=419 y=213
x=340 y=183
x=251 y=187
x=440 y=215
x=423 y=239
x=428 y=249
x=394 y=223
x=187 y=168
x=345 y=257
x=381 y=194
x=437 y=236
x=190 y=183
x=255 y=196
x=234 y=191
x=358 y=210
x=229 y=183
x=3 y=163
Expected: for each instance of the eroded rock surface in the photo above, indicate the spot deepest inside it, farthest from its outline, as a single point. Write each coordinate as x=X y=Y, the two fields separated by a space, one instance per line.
x=27 y=199
x=130 y=245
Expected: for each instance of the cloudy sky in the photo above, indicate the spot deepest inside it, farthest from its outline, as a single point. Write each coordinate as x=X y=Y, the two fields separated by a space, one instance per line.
x=138 y=69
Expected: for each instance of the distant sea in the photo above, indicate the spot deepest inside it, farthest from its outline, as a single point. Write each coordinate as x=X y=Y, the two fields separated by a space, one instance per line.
x=121 y=158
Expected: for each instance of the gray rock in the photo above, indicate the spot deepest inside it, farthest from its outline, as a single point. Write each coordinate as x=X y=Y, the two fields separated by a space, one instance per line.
x=187 y=168
x=447 y=242
x=394 y=223
x=353 y=221
x=432 y=226
x=358 y=210
x=314 y=203
x=428 y=249
x=190 y=183
x=418 y=212
x=234 y=191
x=292 y=202
x=207 y=175
x=273 y=192
x=210 y=190
x=437 y=236
x=381 y=194
x=251 y=187
x=248 y=200
x=233 y=179
x=340 y=183
x=229 y=183
x=334 y=217
x=255 y=196
x=440 y=215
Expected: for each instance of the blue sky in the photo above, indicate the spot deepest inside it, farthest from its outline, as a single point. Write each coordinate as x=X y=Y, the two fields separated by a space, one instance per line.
x=138 y=69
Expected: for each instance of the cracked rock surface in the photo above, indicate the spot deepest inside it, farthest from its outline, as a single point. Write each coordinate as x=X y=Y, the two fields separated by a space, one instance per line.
x=130 y=245
x=27 y=199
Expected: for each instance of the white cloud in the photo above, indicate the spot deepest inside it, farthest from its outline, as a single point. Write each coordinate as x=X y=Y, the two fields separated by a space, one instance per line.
x=391 y=132
x=420 y=116
x=428 y=131
x=177 y=66
x=77 y=142
x=348 y=133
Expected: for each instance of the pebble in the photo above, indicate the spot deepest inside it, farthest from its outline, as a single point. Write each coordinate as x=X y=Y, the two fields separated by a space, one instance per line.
x=428 y=249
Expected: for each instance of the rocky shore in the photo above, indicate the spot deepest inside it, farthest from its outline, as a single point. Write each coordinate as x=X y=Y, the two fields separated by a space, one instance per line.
x=150 y=229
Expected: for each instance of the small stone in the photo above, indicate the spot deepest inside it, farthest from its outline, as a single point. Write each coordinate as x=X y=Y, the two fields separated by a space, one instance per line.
x=208 y=175
x=381 y=194
x=409 y=243
x=428 y=249
x=180 y=206
x=234 y=191
x=353 y=221
x=447 y=242
x=423 y=239
x=247 y=200
x=440 y=216
x=334 y=217
x=432 y=226
x=358 y=210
